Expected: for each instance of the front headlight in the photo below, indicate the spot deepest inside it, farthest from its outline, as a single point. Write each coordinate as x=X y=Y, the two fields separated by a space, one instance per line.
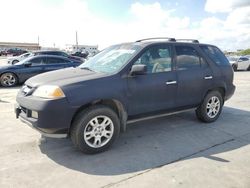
x=49 y=92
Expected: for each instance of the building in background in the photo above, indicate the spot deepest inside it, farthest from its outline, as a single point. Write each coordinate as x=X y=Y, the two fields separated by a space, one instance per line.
x=72 y=48
x=24 y=46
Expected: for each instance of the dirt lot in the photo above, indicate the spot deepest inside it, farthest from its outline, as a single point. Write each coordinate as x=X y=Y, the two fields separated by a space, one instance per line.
x=174 y=151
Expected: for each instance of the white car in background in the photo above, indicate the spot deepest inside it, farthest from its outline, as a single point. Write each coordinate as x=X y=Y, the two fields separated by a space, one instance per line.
x=16 y=59
x=240 y=63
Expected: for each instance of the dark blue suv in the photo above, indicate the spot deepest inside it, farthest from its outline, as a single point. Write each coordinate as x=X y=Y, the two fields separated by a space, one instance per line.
x=93 y=102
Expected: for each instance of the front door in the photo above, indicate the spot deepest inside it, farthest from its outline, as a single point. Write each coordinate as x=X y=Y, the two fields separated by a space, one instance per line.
x=35 y=67
x=156 y=90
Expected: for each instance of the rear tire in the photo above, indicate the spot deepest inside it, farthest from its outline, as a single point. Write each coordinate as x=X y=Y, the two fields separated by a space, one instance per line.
x=95 y=129
x=211 y=107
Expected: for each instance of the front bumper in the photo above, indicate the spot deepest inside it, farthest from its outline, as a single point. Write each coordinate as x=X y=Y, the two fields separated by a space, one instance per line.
x=53 y=116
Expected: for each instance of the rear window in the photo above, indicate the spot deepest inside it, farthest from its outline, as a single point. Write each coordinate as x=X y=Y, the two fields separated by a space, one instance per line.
x=215 y=55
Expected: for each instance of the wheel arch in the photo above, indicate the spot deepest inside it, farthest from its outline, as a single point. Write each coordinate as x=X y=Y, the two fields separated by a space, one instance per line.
x=220 y=89
x=114 y=104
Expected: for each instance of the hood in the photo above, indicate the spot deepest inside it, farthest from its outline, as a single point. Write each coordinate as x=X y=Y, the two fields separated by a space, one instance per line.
x=9 y=67
x=63 y=77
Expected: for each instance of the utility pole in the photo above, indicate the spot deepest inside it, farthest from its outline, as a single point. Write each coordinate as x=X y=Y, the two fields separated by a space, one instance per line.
x=38 y=41
x=76 y=42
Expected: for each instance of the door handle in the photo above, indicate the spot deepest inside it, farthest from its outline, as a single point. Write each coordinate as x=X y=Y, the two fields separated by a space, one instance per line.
x=171 y=82
x=208 y=77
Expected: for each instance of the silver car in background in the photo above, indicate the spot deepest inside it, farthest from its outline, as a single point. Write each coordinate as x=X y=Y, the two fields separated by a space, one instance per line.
x=239 y=63
x=16 y=59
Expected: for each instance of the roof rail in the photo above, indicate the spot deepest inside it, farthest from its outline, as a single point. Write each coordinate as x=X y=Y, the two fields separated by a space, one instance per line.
x=189 y=40
x=158 y=38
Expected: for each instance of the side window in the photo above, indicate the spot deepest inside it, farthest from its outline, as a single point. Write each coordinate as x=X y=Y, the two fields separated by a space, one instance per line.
x=157 y=59
x=52 y=60
x=187 y=58
x=215 y=55
x=37 y=61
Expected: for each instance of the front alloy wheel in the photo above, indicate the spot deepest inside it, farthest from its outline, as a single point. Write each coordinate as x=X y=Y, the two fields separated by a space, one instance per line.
x=98 y=131
x=95 y=129
x=8 y=79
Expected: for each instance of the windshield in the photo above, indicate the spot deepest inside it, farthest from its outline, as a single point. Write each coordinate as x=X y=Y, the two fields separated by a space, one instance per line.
x=24 y=60
x=112 y=59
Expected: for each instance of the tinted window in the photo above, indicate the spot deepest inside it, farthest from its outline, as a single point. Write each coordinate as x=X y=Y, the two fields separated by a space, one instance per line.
x=37 y=61
x=52 y=60
x=215 y=55
x=187 y=58
x=157 y=59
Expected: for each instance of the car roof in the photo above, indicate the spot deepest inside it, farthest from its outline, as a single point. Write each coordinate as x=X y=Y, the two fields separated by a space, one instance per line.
x=45 y=55
x=165 y=40
x=42 y=51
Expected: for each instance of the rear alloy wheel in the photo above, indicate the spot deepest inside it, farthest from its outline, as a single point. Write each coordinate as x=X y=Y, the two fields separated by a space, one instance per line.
x=95 y=129
x=8 y=79
x=210 y=109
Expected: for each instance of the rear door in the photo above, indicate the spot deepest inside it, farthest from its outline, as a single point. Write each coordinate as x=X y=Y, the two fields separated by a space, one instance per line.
x=194 y=75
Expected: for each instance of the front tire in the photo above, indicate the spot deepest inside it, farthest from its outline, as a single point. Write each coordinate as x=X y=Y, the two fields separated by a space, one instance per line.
x=211 y=107
x=8 y=80
x=95 y=129
x=234 y=67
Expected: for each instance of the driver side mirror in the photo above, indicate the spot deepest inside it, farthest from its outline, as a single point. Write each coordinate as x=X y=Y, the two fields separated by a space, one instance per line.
x=27 y=64
x=138 y=70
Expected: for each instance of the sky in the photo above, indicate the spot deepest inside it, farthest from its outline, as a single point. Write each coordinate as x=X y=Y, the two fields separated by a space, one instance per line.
x=225 y=23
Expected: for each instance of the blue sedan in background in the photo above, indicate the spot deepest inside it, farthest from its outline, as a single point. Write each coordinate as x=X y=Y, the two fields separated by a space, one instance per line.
x=11 y=75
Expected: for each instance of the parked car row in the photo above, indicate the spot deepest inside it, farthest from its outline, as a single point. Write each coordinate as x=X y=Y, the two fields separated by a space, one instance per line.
x=11 y=75
x=12 y=51
x=22 y=67
x=240 y=63
x=14 y=60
